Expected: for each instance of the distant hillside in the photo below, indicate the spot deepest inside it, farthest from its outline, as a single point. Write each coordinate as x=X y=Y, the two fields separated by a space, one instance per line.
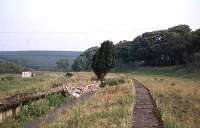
x=39 y=60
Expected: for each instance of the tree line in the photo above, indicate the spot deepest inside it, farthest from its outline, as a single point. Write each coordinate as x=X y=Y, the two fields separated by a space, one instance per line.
x=8 y=67
x=173 y=46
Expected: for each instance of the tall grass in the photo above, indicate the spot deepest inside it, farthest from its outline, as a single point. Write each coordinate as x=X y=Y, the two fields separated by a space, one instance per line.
x=110 y=107
x=189 y=72
x=113 y=81
x=34 y=110
x=177 y=98
x=14 y=84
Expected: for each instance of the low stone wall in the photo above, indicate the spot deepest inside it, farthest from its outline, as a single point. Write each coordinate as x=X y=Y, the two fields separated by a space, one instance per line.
x=11 y=106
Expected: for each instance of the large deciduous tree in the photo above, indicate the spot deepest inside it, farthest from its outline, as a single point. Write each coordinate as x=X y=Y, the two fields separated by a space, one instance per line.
x=196 y=41
x=104 y=59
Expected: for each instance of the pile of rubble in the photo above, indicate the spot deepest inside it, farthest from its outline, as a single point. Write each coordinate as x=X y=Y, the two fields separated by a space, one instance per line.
x=81 y=90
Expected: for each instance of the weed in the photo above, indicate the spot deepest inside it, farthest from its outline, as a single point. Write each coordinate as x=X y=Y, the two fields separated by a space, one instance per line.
x=177 y=98
x=69 y=74
x=112 y=82
x=8 y=78
x=33 y=110
x=110 y=107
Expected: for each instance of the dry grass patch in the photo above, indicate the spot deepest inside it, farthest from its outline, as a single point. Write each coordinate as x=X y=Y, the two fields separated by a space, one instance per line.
x=40 y=82
x=85 y=78
x=111 y=107
x=177 y=98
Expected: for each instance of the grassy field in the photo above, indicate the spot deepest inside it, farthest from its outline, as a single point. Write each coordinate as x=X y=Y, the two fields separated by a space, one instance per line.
x=34 y=110
x=188 y=72
x=111 y=107
x=177 y=94
x=11 y=84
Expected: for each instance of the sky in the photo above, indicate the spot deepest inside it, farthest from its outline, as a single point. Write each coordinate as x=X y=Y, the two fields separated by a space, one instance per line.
x=75 y=25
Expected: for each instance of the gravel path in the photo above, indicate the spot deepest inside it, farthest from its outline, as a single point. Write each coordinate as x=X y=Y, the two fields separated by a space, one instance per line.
x=145 y=112
x=58 y=111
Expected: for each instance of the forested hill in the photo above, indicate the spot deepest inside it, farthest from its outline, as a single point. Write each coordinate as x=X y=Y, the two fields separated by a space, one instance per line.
x=177 y=45
x=39 y=60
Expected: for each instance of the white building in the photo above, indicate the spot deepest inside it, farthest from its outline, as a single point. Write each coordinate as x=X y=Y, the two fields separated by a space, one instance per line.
x=26 y=74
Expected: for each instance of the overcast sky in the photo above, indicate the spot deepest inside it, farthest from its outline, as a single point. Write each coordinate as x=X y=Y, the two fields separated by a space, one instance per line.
x=80 y=24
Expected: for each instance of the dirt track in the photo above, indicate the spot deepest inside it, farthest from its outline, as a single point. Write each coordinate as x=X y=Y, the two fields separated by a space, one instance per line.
x=145 y=112
x=58 y=111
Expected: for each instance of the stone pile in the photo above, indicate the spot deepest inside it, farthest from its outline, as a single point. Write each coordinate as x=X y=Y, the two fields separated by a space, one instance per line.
x=10 y=106
x=81 y=90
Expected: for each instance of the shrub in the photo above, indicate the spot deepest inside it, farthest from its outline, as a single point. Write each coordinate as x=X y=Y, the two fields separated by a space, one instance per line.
x=112 y=82
x=9 y=77
x=69 y=74
x=56 y=85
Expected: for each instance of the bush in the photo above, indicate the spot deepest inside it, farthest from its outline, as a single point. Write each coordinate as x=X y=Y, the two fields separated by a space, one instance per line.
x=55 y=100
x=9 y=77
x=112 y=82
x=56 y=85
x=69 y=74
x=7 y=67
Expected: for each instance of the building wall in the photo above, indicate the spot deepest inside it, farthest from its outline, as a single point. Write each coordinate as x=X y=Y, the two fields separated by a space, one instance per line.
x=26 y=74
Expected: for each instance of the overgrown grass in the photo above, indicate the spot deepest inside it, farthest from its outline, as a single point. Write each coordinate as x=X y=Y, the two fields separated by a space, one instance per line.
x=177 y=98
x=109 y=108
x=34 y=110
x=189 y=72
x=112 y=82
x=11 y=84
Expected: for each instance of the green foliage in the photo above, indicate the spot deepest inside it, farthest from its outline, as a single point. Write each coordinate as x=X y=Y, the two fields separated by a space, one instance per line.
x=196 y=40
x=34 y=110
x=104 y=59
x=69 y=74
x=63 y=65
x=7 y=78
x=124 y=52
x=174 y=46
x=112 y=82
x=83 y=62
x=54 y=85
x=11 y=84
x=180 y=29
x=7 y=67
x=190 y=72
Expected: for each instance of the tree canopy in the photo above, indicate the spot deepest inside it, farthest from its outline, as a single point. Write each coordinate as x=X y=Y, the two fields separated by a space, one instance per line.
x=104 y=59
x=8 y=67
x=173 y=46
x=83 y=62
